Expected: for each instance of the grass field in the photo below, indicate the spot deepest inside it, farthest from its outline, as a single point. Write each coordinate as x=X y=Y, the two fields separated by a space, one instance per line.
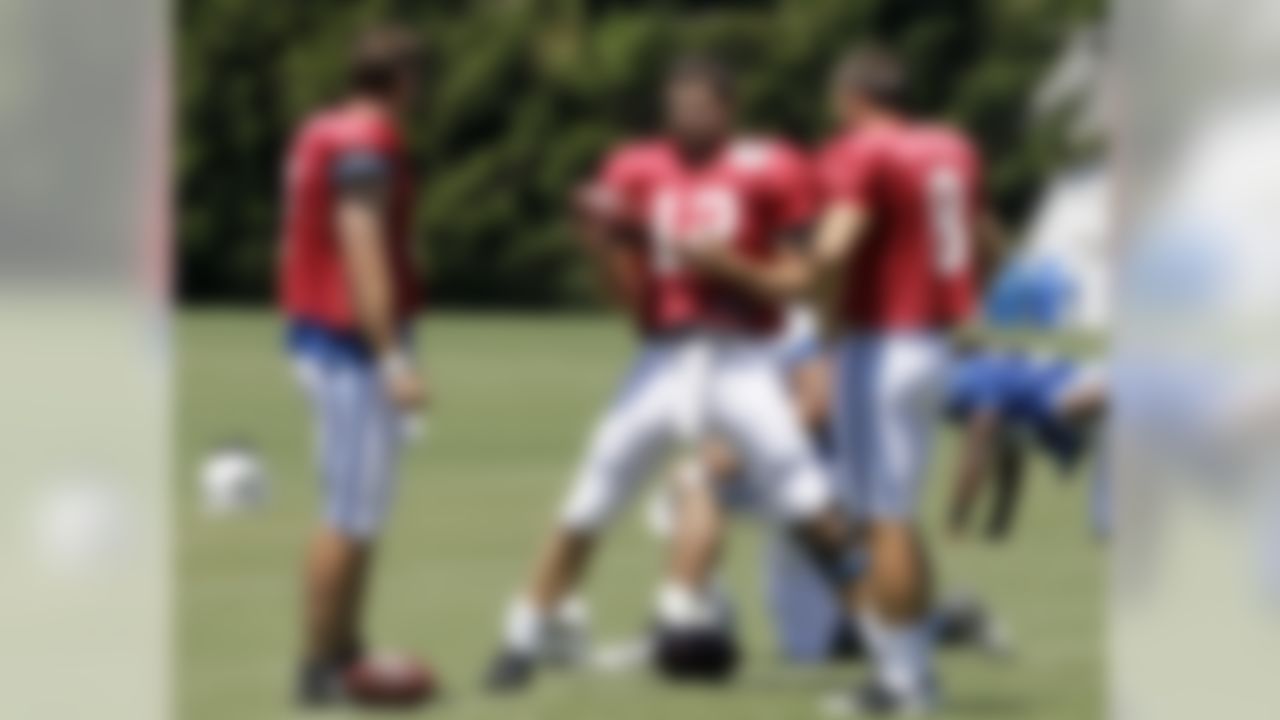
x=514 y=398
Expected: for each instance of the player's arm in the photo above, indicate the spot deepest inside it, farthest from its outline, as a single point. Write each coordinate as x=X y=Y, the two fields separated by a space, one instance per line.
x=610 y=245
x=978 y=450
x=812 y=387
x=363 y=183
x=794 y=272
x=784 y=277
x=839 y=234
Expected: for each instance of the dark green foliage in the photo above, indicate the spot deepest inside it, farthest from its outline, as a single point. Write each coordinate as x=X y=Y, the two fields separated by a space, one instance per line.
x=528 y=94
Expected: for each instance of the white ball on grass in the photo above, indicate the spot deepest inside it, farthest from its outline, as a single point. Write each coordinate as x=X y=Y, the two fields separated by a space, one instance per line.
x=233 y=480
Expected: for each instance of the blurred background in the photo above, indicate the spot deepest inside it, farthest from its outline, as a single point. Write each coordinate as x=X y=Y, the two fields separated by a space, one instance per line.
x=529 y=93
x=122 y=596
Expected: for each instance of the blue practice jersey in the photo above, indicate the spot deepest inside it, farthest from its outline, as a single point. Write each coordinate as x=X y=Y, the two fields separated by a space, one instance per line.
x=1024 y=391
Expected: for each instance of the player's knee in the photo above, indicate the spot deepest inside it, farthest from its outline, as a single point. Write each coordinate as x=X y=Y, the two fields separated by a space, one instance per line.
x=899 y=560
x=358 y=507
x=804 y=494
x=834 y=545
x=604 y=482
x=358 y=526
x=590 y=506
x=583 y=519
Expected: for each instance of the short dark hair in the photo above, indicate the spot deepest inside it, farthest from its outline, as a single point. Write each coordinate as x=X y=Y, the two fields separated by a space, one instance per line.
x=380 y=56
x=705 y=69
x=876 y=72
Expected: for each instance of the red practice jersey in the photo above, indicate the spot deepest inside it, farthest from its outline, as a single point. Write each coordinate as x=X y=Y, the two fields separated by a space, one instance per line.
x=920 y=185
x=749 y=195
x=313 y=276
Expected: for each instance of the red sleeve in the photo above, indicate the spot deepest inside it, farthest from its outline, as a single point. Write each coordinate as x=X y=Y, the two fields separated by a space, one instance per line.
x=621 y=184
x=793 y=188
x=848 y=171
x=364 y=136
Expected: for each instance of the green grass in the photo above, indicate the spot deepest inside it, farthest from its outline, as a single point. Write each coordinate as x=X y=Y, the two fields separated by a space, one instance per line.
x=515 y=396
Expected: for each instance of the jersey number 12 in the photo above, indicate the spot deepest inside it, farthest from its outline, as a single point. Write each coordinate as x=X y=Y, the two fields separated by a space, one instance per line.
x=706 y=214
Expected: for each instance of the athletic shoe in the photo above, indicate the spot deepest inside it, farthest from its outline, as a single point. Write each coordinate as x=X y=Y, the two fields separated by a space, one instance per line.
x=874 y=700
x=510 y=672
x=964 y=622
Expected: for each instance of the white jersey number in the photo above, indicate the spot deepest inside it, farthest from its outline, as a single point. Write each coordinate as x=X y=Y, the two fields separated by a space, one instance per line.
x=949 y=218
x=705 y=214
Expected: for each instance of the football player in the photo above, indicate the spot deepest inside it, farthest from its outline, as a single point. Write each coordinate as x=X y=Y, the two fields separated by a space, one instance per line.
x=897 y=256
x=705 y=366
x=690 y=511
x=349 y=293
x=1007 y=403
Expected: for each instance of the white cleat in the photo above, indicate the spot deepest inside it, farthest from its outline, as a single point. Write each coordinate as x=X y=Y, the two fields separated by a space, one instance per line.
x=623 y=657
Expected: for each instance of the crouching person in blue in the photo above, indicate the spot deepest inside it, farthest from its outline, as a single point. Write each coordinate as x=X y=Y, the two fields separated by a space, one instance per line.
x=1008 y=404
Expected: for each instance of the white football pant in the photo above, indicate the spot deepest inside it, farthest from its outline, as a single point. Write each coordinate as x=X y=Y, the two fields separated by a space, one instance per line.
x=680 y=391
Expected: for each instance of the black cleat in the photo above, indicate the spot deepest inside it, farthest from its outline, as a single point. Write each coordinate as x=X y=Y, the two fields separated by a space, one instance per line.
x=381 y=680
x=320 y=682
x=874 y=700
x=320 y=685
x=963 y=622
x=510 y=672
x=847 y=643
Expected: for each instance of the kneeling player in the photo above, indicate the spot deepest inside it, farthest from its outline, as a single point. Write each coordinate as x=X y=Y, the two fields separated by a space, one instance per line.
x=705 y=368
x=689 y=514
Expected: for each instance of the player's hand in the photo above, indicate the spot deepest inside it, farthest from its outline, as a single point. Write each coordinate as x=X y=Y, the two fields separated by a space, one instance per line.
x=402 y=382
x=593 y=202
x=705 y=256
x=602 y=218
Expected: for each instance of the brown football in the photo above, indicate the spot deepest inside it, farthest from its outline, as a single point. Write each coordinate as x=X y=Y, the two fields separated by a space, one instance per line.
x=386 y=680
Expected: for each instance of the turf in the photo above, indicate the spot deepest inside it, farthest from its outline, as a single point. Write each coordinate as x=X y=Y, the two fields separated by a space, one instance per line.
x=514 y=397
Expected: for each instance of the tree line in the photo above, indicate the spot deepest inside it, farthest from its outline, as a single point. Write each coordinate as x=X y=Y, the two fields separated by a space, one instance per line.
x=527 y=94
